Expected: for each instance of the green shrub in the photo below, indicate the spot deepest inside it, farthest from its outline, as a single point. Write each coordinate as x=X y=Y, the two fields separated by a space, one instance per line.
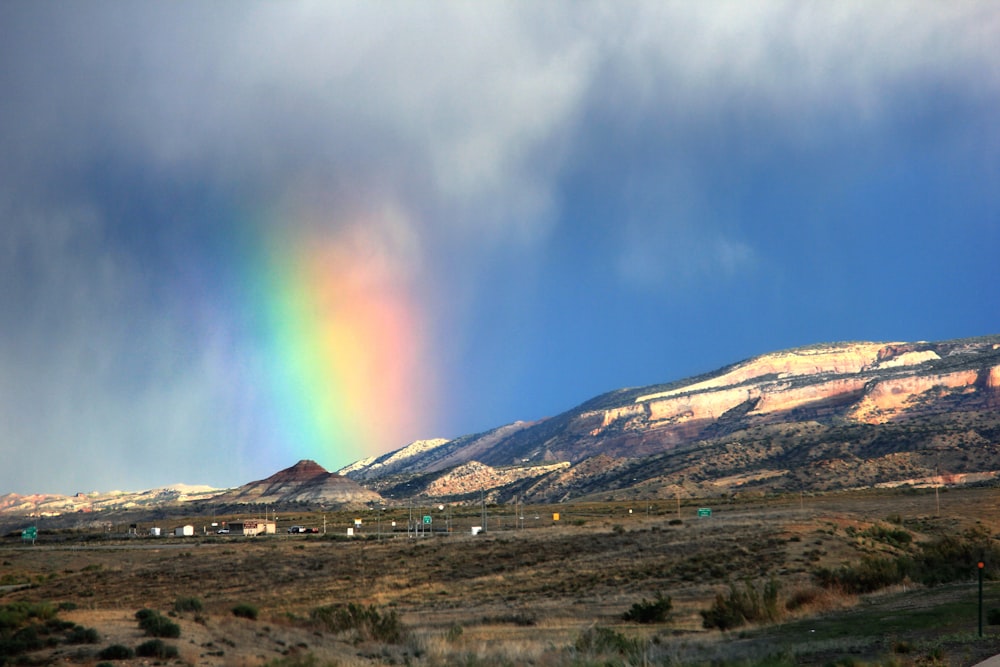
x=521 y=618
x=599 y=641
x=244 y=610
x=82 y=635
x=155 y=624
x=182 y=605
x=155 y=648
x=17 y=614
x=946 y=559
x=143 y=614
x=871 y=574
x=116 y=652
x=896 y=537
x=299 y=660
x=954 y=558
x=655 y=611
x=58 y=625
x=367 y=622
x=742 y=605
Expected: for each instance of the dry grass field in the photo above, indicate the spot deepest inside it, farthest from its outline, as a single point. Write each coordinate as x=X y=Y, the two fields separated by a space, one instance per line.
x=528 y=591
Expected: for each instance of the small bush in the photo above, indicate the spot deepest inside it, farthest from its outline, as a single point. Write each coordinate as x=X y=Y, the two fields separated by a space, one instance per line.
x=946 y=559
x=743 y=605
x=655 y=611
x=116 y=652
x=182 y=605
x=155 y=648
x=82 y=635
x=896 y=537
x=16 y=614
x=604 y=641
x=871 y=574
x=143 y=614
x=244 y=610
x=155 y=624
x=297 y=660
x=521 y=618
x=367 y=622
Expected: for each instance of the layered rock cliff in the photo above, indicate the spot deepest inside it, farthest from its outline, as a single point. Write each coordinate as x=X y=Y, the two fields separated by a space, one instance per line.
x=823 y=416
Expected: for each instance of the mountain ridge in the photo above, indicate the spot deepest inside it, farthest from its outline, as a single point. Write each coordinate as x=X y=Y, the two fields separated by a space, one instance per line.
x=304 y=482
x=821 y=417
x=908 y=398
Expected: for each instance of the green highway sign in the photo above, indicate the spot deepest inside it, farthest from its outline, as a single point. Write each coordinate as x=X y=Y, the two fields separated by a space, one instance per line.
x=29 y=533
x=427 y=519
x=704 y=511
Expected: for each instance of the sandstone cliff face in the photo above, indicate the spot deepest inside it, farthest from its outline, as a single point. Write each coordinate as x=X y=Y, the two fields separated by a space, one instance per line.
x=888 y=399
x=826 y=416
x=839 y=360
x=993 y=378
x=867 y=382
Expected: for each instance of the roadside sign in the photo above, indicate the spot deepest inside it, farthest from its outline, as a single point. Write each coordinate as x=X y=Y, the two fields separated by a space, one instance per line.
x=704 y=511
x=427 y=519
x=30 y=533
x=555 y=516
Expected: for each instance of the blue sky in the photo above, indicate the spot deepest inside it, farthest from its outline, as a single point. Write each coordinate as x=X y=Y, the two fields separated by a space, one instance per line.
x=574 y=197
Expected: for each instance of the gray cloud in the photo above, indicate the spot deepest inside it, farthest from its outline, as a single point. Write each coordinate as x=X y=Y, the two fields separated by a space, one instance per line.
x=452 y=127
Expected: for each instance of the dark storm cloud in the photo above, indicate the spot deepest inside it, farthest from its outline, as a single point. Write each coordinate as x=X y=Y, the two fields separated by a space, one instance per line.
x=131 y=134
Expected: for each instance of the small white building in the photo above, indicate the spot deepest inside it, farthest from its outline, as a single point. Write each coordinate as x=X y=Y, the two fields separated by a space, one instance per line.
x=184 y=531
x=154 y=532
x=253 y=527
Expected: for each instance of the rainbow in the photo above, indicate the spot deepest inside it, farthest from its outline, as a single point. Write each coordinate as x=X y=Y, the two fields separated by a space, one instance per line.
x=344 y=346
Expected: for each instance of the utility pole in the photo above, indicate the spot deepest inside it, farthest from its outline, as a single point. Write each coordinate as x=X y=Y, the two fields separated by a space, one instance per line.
x=981 y=565
x=482 y=499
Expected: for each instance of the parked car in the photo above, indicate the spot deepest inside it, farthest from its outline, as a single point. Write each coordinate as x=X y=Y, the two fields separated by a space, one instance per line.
x=223 y=531
x=296 y=529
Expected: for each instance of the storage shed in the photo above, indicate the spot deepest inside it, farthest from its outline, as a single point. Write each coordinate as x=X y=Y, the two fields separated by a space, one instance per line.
x=253 y=527
x=184 y=531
